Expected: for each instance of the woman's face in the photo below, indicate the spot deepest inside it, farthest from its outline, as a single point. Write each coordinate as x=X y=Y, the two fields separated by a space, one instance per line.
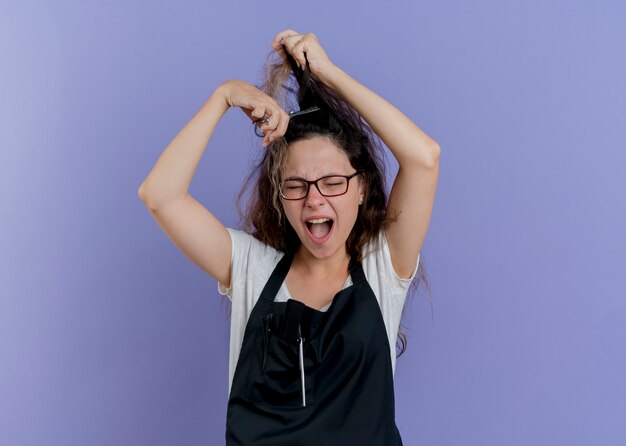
x=311 y=159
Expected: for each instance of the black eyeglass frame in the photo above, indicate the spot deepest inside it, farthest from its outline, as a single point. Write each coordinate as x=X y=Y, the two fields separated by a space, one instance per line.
x=309 y=182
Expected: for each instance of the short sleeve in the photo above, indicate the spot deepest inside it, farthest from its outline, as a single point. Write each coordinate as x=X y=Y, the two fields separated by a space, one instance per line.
x=249 y=259
x=402 y=282
x=390 y=289
x=223 y=290
x=240 y=246
x=251 y=264
x=220 y=287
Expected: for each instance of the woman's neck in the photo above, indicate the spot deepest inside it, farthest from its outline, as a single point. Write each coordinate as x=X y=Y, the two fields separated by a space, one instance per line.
x=321 y=268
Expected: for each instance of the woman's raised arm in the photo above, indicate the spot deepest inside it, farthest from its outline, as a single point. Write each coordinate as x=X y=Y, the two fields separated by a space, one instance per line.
x=413 y=193
x=190 y=226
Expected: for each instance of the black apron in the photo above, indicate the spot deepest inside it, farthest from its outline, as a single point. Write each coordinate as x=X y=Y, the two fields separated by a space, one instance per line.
x=308 y=377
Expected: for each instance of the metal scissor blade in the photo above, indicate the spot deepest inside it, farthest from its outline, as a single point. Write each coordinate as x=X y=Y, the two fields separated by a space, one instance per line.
x=293 y=114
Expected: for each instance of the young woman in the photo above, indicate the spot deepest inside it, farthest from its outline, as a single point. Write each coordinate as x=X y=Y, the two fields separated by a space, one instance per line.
x=319 y=278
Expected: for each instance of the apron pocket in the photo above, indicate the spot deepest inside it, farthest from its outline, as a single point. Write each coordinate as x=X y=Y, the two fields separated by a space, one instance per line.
x=280 y=381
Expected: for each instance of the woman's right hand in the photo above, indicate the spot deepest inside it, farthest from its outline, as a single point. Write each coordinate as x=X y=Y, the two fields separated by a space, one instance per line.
x=257 y=105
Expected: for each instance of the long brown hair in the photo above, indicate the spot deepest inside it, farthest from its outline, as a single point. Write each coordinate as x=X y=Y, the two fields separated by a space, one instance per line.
x=262 y=216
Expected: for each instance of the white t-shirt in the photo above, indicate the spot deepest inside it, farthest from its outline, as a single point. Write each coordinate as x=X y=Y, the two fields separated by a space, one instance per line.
x=252 y=263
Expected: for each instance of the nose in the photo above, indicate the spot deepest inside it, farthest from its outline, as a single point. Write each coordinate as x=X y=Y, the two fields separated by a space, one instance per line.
x=314 y=198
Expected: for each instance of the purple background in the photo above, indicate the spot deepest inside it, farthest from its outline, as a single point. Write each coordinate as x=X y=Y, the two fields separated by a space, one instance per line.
x=110 y=336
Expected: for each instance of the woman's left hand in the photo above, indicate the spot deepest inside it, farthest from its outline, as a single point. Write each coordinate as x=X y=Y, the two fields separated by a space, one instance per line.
x=305 y=49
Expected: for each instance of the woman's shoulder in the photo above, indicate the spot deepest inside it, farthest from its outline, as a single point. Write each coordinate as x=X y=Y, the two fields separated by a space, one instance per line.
x=250 y=258
x=244 y=242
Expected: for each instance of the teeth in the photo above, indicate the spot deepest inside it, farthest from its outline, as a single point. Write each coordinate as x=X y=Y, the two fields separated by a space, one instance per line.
x=319 y=220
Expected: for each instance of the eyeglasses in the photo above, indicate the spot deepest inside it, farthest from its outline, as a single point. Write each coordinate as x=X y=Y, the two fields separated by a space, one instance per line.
x=292 y=114
x=328 y=186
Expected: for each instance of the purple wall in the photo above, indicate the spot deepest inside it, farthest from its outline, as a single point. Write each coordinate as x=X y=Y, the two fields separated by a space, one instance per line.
x=109 y=335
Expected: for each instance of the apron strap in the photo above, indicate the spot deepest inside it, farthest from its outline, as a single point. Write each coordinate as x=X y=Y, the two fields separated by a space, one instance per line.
x=356 y=271
x=276 y=279
x=282 y=268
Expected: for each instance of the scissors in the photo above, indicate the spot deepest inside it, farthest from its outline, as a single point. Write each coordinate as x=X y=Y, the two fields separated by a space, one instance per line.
x=292 y=114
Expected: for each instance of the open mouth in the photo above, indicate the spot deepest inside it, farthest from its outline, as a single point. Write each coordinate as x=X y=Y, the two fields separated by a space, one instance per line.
x=319 y=229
